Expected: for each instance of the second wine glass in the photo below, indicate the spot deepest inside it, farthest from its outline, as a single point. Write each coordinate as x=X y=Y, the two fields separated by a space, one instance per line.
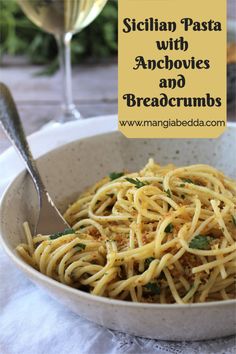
x=63 y=18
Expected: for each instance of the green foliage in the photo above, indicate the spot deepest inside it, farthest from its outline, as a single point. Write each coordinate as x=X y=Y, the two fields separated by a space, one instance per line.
x=18 y=35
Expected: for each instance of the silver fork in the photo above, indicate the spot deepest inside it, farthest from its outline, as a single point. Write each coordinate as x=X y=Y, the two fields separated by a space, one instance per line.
x=50 y=219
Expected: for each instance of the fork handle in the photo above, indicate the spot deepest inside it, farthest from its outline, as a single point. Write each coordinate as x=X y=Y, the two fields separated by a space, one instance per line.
x=11 y=123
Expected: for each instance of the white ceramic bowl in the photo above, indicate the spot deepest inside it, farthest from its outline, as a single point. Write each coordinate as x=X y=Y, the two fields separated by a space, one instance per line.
x=66 y=171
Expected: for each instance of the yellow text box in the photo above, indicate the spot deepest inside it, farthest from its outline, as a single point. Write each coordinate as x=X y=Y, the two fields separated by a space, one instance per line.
x=172 y=68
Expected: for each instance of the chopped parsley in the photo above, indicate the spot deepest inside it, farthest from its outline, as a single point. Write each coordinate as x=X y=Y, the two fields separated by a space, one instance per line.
x=153 y=288
x=201 y=242
x=80 y=246
x=169 y=228
x=187 y=180
x=137 y=182
x=115 y=175
x=182 y=185
x=234 y=220
x=148 y=261
x=168 y=193
x=59 y=234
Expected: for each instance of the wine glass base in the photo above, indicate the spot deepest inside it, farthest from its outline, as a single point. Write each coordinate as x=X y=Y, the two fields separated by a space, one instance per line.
x=69 y=114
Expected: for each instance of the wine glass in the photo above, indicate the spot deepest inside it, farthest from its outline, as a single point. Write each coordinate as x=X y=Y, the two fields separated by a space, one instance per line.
x=63 y=18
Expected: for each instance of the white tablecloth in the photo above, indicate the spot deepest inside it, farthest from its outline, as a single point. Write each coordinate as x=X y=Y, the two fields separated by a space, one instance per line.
x=33 y=323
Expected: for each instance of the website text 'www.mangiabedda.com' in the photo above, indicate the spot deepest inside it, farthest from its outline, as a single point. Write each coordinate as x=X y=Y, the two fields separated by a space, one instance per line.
x=168 y=123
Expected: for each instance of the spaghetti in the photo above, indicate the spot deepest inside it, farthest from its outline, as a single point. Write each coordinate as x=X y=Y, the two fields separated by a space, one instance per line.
x=162 y=235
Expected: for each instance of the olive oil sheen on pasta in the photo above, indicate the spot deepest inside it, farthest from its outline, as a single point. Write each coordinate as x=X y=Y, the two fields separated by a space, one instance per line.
x=62 y=16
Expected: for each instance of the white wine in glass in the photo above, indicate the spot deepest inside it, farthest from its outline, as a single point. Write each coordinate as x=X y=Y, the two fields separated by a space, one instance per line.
x=63 y=18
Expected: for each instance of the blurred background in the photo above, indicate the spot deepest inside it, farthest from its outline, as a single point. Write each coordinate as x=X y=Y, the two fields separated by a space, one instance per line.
x=29 y=65
x=19 y=36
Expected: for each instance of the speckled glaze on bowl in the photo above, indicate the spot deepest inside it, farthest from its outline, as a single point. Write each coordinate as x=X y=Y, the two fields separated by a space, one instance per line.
x=66 y=171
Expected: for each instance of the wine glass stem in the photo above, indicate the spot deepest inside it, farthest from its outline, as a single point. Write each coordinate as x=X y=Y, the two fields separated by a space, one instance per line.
x=69 y=110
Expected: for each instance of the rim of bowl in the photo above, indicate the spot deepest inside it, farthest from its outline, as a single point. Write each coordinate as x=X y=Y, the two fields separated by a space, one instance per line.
x=87 y=296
